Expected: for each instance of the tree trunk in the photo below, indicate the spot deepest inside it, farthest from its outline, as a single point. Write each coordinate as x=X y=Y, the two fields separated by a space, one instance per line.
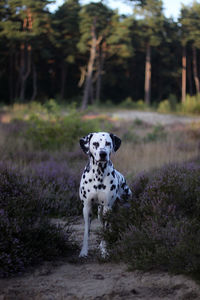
x=196 y=78
x=184 y=63
x=11 y=70
x=25 y=68
x=148 y=75
x=88 y=83
x=63 y=80
x=190 y=76
x=17 y=81
x=34 y=83
x=99 y=72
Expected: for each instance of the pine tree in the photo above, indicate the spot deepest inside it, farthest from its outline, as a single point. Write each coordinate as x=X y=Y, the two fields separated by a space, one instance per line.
x=151 y=23
x=103 y=35
x=24 y=23
x=65 y=37
x=190 y=29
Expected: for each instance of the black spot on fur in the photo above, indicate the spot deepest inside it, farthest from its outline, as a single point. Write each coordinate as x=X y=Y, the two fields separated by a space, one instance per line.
x=88 y=191
x=123 y=185
x=99 y=186
x=108 y=174
x=95 y=187
x=86 y=182
x=111 y=182
x=83 y=176
x=90 y=180
x=88 y=168
x=96 y=145
x=113 y=187
x=113 y=174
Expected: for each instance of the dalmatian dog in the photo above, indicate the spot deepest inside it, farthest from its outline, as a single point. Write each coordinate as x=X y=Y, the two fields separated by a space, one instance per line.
x=100 y=182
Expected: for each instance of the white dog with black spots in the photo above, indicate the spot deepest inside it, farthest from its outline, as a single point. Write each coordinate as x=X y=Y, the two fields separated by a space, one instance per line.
x=100 y=182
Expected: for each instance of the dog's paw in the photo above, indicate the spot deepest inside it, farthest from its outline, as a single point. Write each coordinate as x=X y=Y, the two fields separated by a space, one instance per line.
x=103 y=250
x=83 y=253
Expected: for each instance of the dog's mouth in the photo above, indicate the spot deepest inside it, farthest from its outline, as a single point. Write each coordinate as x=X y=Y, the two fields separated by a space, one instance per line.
x=102 y=160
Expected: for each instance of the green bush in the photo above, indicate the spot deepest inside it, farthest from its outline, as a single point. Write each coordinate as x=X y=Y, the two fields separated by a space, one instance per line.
x=55 y=134
x=164 y=107
x=127 y=103
x=191 y=105
x=130 y=104
x=157 y=134
x=130 y=136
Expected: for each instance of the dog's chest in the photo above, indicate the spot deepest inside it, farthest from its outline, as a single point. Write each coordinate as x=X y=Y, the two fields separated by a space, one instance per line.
x=95 y=183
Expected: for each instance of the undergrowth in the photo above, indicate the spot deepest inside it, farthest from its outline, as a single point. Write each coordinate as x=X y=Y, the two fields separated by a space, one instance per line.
x=160 y=229
x=27 y=237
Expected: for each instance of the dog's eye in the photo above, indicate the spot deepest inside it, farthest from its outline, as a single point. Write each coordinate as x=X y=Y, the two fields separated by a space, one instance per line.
x=108 y=144
x=96 y=144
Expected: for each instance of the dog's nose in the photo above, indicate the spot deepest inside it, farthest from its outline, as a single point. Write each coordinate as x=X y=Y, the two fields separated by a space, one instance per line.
x=103 y=155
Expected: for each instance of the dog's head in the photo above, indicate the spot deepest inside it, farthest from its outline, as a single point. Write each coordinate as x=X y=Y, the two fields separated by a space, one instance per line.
x=100 y=145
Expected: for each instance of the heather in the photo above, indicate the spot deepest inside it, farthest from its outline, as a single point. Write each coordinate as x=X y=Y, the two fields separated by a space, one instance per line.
x=58 y=185
x=27 y=236
x=159 y=227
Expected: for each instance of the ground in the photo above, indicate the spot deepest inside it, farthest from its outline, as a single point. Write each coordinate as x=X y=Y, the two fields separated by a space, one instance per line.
x=88 y=279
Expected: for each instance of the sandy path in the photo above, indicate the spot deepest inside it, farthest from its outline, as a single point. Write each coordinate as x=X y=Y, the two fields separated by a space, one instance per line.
x=91 y=280
x=153 y=117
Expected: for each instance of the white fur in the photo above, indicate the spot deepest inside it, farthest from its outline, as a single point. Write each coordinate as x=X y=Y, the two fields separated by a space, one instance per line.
x=100 y=182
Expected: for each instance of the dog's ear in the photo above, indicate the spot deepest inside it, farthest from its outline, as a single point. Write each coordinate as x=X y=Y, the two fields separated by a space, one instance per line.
x=116 y=142
x=85 y=143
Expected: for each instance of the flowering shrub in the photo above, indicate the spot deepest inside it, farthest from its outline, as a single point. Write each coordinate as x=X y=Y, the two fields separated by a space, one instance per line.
x=161 y=227
x=58 y=185
x=26 y=235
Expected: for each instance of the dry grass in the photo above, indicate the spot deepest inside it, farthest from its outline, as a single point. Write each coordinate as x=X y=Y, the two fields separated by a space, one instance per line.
x=134 y=158
x=181 y=144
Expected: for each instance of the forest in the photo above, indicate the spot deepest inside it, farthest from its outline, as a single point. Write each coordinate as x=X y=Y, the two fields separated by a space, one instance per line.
x=91 y=54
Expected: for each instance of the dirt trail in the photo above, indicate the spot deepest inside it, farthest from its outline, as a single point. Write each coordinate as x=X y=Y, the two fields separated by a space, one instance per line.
x=88 y=280
x=153 y=117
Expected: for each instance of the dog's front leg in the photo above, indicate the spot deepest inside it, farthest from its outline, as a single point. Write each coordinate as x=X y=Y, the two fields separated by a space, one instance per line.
x=102 y=246
x=87 y=220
